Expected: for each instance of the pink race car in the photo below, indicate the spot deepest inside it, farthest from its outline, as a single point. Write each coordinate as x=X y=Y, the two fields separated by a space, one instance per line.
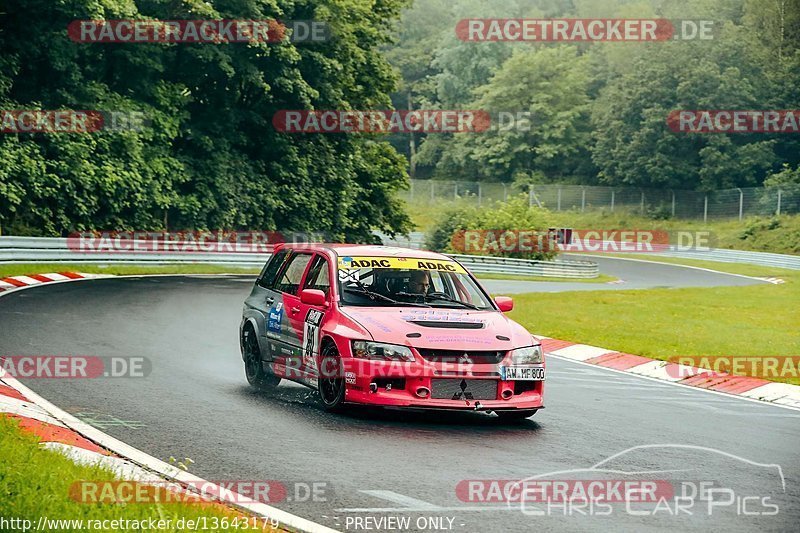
x=393 y=327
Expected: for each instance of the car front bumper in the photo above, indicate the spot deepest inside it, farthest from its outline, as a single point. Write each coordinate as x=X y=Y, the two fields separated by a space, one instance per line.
x=438 y=386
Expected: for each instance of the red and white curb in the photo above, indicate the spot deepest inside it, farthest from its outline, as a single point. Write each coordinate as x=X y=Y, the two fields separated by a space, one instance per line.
x=751 y=388
x=15 y=282
x=85 y=444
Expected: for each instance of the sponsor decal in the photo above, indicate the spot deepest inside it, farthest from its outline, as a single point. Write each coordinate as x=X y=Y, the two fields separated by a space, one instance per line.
x=442 y=315
x=274 y=319
x=400 y=263
x=311 y=337
x=458 y=338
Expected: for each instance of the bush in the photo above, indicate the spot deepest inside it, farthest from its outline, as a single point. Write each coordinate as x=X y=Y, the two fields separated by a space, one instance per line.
x=515 y=215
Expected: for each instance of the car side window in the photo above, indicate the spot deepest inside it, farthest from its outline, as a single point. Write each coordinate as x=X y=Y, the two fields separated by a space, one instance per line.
x=289 y=279
x=319 y=276
x=267 y=277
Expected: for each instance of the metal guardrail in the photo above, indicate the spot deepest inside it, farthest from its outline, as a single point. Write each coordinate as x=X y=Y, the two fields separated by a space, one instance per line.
x=721 y=255
x=483 y=264
x=57 y=250
x=737 y=256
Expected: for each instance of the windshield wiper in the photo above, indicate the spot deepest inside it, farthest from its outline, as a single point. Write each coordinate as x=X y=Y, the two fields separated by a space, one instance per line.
x=442 y=297
x=362 y=289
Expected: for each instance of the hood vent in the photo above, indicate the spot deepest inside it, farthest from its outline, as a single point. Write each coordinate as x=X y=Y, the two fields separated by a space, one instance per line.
x=447 y=325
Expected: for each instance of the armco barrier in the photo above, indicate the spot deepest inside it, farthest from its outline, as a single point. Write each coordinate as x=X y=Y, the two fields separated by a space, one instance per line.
x=550 y=269
x=56 y=250
x=416 y=239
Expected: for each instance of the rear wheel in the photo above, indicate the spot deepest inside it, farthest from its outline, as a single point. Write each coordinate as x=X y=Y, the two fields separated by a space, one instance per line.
x=253 y=368
x=521 y=414
x=331 y=381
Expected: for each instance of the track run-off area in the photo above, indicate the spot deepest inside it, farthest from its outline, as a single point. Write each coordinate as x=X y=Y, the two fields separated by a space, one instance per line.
x=391 y=470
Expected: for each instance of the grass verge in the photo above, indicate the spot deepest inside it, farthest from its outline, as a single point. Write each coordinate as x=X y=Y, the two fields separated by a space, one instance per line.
x=778 y=234
x=758 y=320
x=35 y=482
x=120 y=270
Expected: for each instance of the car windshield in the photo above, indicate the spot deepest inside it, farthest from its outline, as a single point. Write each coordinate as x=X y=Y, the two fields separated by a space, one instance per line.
x=406 y=281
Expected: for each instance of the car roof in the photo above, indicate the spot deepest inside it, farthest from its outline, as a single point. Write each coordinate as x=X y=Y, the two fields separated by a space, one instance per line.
x=367 y=250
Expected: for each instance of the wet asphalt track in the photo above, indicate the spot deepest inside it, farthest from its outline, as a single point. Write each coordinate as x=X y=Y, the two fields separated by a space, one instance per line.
x=196 y=404
x=634 y=274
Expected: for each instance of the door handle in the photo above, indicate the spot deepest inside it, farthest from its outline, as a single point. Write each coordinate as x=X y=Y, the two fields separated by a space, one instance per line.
x=270 y=300
x=295 y=310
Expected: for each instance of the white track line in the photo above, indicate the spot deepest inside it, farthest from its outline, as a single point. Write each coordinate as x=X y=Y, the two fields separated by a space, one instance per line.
x=687 y=266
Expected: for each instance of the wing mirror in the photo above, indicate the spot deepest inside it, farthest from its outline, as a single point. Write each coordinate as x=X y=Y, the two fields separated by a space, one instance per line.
x=313 y=297
x=505 y=303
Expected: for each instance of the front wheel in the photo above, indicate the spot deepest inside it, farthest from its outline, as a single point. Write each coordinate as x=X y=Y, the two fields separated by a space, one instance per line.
x=521 y=414
x=253 y=368
x=330 y=382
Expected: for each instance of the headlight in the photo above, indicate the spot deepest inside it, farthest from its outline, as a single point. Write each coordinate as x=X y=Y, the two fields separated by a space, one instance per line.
x=381 y=351
x=530 y=355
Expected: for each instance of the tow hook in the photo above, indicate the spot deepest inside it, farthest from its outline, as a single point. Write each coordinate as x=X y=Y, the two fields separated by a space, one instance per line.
x=477 y=406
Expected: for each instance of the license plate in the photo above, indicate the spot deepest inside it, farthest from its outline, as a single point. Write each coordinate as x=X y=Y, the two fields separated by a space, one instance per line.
x=522 y=373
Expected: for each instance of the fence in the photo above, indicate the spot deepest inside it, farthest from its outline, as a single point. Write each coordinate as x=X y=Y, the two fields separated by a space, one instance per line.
x=658 y=203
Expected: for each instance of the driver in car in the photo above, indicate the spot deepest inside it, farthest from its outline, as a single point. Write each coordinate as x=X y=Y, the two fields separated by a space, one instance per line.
x=420 y=282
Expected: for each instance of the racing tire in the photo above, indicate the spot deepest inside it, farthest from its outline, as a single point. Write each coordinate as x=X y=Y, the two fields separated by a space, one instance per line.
x=331 y=384
x=519 y=415
x=254 y=371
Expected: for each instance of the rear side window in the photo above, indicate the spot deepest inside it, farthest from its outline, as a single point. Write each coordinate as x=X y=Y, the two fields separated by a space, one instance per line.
x=267 y=277
x=318 y=276
x=289 y=279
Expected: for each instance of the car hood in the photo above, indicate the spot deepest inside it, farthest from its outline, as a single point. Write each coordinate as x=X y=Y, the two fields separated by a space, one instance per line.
x=450 y=329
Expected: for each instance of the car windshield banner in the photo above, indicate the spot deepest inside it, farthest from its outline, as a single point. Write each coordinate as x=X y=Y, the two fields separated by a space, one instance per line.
x=400 y=263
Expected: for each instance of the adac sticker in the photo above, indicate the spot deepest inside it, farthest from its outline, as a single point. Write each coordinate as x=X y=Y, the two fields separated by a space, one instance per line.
x=400 y=263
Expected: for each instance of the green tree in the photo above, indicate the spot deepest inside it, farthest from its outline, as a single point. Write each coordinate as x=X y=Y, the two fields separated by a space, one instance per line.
x=210 y=157
x=550 y=84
